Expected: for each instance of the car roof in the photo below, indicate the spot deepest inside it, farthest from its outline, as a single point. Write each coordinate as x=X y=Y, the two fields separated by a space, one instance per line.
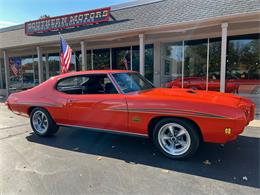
x=90 y=72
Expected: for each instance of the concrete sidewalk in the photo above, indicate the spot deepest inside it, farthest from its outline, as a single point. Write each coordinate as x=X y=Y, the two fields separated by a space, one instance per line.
x=254 y=123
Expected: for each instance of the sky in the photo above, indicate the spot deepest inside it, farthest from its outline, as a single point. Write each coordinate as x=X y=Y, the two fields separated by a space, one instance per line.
x=14 y=12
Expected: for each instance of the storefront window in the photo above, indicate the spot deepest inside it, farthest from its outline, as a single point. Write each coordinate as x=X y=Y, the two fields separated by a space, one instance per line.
x=89 y=60
x=214 y=65
x=35 y=69
x=149 y=55
x=172 y=54
x=15 y=72
x=73 y=63
x=195 y=64
x=101 y=59
x=78 y=58
x=135 y=58
x=148 y=68
x=54 y=64
x=2 y=72
x=23 y=72
x=243 y=67
x=121 y=58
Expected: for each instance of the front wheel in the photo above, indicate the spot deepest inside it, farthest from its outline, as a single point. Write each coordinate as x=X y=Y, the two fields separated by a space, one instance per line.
x=42 y=123
x=176 y=138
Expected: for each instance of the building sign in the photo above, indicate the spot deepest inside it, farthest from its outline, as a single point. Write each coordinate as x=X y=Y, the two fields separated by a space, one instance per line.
x=67 y=21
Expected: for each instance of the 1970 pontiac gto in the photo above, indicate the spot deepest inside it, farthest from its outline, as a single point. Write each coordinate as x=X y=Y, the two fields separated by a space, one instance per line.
x=177 y=120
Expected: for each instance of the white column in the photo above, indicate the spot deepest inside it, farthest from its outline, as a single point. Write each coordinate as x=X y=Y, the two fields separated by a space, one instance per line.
x=47 y=69
x=40 y=64
x=223 y=57
x=141 y=54
x=83 y=55
x=7 y=72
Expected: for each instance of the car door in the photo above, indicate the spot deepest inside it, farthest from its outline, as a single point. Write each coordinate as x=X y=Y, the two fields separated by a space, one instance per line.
x=94 y=108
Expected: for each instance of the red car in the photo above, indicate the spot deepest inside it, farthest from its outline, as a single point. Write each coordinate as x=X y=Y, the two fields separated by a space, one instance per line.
x=199 y=83
x=233 y=85
x=177 y=120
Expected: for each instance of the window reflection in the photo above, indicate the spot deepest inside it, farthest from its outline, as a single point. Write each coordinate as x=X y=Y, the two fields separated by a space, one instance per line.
x=2 y=68
x=243 y=68
x=73 y=66
x=149 y=55
x=214 y=65
x=23 y=72
x=89 y=60
x=78 y=58
x=148 y=67
x=195 y=64
x=101 y=59
x=54 y=64
x=172 y=55
x=135 y=58
x=121 y=58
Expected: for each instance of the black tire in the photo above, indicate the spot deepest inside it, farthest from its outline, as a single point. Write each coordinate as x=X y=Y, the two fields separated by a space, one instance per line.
x=191 y=129
x=51 y=127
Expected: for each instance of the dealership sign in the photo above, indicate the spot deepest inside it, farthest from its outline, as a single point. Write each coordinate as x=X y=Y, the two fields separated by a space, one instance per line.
x=67 y=21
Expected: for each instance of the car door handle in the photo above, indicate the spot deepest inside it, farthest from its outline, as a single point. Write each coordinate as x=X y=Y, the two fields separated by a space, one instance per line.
x=71 y=101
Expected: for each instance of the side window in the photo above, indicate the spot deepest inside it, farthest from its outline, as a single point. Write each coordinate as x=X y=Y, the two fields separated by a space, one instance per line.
x=72 y=85
x=87 y=84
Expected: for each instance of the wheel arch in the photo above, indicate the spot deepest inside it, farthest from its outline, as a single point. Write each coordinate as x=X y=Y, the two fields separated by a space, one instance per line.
x=30 y=109
x=155 y=120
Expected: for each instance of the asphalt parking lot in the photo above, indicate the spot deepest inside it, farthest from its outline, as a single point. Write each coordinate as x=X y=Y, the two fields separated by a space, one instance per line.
x=83 y=162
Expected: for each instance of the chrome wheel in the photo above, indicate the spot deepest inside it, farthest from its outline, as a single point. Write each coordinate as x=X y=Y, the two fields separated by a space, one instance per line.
x=174 y=139
x=40 y=122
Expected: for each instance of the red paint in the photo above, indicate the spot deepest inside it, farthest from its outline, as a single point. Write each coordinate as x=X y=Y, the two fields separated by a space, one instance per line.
x=232 y=85
x=211 y=111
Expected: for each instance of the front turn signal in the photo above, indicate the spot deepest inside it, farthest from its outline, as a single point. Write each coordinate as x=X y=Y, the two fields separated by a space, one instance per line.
x=228 y=131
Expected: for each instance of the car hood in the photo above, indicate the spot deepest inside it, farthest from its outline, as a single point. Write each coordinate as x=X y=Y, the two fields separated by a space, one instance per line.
x=192 y=96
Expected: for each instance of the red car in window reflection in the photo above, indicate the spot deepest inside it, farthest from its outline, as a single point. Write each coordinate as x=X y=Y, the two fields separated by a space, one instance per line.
x=199 y=83
x=177 y=120
x=233 y=85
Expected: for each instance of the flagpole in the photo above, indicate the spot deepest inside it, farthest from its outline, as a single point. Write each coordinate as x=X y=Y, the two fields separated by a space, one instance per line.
x=72 y=51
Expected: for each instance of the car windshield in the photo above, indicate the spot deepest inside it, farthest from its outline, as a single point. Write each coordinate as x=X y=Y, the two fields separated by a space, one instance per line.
x=131 y=82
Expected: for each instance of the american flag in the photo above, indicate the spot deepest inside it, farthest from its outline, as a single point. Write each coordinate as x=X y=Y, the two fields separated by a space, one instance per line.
x=13 y=67
x=65 y=55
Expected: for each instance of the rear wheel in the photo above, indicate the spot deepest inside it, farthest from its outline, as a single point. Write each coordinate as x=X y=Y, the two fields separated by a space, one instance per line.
x=176 y=138
x=42 y=123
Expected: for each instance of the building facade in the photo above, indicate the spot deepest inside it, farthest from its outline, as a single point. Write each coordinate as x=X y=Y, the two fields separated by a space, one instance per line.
x=199 y=44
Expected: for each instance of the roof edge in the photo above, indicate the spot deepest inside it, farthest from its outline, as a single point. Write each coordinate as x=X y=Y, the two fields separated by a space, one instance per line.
x=208 y=21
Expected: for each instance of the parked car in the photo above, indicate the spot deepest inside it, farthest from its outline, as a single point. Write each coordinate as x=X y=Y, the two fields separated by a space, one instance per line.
x=177 y=120
x=233 y=84
x=199 y=83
